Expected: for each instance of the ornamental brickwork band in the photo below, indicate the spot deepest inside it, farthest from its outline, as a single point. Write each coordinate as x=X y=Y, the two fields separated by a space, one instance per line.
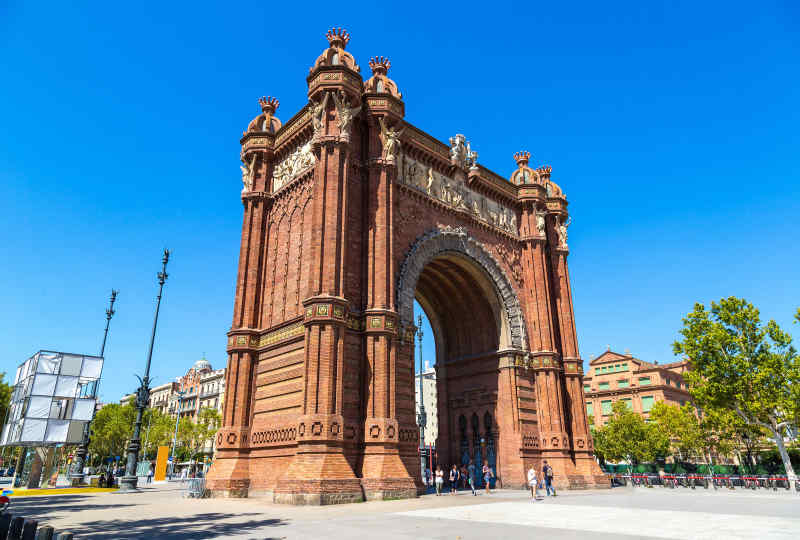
x=350 y=215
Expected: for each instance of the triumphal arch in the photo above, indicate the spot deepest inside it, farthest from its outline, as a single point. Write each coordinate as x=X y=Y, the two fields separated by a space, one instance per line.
x=350 y=214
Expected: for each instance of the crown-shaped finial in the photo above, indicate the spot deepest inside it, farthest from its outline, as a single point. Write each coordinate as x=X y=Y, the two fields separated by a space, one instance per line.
x=268 y=104
x=379 y=65
x=338 y=37
x=522 y=158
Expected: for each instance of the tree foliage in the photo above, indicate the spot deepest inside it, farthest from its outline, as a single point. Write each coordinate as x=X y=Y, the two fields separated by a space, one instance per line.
x=627 y=437
x=193 y=437
x=112 y=429
x=682 y=426
x=5 y=397
x=741 y=365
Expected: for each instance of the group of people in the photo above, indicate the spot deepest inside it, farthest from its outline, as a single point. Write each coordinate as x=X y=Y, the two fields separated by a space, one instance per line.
x=465 y=476
x=535 y=483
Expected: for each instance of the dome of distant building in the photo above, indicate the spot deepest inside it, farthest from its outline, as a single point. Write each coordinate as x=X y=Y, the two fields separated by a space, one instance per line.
x=201 y=365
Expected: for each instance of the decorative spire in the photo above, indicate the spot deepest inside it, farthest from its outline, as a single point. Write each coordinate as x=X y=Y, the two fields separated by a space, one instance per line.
x=522 y=158
x=379 y=65
x=268 y=104
x=338 y=37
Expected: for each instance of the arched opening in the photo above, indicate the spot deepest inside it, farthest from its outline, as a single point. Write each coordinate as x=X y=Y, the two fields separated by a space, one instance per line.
x=468 y=328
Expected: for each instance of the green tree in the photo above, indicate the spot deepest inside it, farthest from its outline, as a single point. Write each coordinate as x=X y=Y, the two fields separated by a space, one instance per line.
x=157 y=430
x=627 y=437
x=744 y=366
x=208 y=422
x=5 y=397
x=682 y=426
x=111 y=429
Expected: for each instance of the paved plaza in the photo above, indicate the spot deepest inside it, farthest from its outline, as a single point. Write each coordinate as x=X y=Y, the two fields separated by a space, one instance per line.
x=622 y=513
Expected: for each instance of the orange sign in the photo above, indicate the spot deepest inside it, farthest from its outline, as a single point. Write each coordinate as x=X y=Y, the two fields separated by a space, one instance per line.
x=161 y=463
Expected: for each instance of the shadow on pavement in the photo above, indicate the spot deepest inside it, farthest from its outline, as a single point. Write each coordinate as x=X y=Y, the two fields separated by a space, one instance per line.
x=174 y=528
x=42 y=507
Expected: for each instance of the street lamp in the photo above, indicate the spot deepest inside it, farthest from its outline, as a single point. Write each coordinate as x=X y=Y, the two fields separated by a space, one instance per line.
x=175 y=437
x=83 y=448
x=422 y=419
x=129 y=481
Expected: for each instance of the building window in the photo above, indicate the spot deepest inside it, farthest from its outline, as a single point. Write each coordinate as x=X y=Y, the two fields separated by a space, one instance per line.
x=605 y=407
x=629 y=403
x=644 y=381
x=623 y=383
x=624 y=367
x=589 y=408
x=586 y=388
x=647 y=403
x=603 y=386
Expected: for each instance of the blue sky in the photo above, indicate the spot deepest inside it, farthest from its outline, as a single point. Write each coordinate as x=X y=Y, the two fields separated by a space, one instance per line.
x=672 y=127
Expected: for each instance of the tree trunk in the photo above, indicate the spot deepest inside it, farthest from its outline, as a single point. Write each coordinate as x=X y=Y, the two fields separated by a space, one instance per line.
x=787 y=463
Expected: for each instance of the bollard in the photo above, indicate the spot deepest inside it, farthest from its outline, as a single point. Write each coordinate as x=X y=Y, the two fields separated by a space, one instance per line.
x=29 y=529
x=64 y=536
x=45 y=532
x=5 y=523
x=15 y=530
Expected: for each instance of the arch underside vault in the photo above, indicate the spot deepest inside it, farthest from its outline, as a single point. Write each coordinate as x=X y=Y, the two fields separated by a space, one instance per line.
x=469 y=278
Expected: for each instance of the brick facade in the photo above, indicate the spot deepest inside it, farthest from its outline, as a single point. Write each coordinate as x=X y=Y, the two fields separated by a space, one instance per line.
x=351 y=213
x=613 y=376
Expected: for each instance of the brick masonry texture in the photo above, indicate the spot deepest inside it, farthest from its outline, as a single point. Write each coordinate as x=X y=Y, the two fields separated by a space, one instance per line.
x=337 y=243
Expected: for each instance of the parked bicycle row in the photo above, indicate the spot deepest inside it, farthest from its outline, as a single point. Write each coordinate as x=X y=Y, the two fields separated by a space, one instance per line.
x=773 y=482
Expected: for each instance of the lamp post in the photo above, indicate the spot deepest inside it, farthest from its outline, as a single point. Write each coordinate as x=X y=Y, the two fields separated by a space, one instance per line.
x=129 y=481
x=83 y=449
x=175 y=436
x=422 y=419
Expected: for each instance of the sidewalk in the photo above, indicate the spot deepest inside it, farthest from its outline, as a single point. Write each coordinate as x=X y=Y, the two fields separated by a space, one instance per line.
x=160 y=511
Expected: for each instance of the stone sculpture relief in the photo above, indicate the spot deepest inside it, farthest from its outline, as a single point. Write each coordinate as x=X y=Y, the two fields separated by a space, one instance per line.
x=461 y=155
x=248 y=172
x=345 y=113
x=292 y=165
x=455 y=194
x=318 y=115
x=540 y=223
x=562 y=231
x=390 y=138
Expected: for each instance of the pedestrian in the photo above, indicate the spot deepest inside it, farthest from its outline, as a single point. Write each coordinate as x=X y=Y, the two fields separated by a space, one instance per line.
x=532 y=482
x=453 y=479
x=471 y=479
x=547 y=471
x=439 y=480
x=150 y=474
x=462 y=473
x=488 y=474
x=471 y=471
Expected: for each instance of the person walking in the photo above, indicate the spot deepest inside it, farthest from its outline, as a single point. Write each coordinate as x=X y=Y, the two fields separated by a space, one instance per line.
x=532 y=482
x=453 y=480
x=150 y=474
x=462 y=474
x=547 y=471
x=487 y=476
x=439 y=480
x=471 y=478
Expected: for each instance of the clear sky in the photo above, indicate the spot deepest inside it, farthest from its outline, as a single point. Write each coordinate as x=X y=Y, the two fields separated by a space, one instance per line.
x=673 y=127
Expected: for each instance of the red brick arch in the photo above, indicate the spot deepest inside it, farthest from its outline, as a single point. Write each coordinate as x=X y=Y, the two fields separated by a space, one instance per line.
x=438 y=242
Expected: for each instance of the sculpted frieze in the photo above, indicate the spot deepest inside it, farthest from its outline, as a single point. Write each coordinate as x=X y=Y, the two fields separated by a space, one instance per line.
x=455 y=194
x=292 y=165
